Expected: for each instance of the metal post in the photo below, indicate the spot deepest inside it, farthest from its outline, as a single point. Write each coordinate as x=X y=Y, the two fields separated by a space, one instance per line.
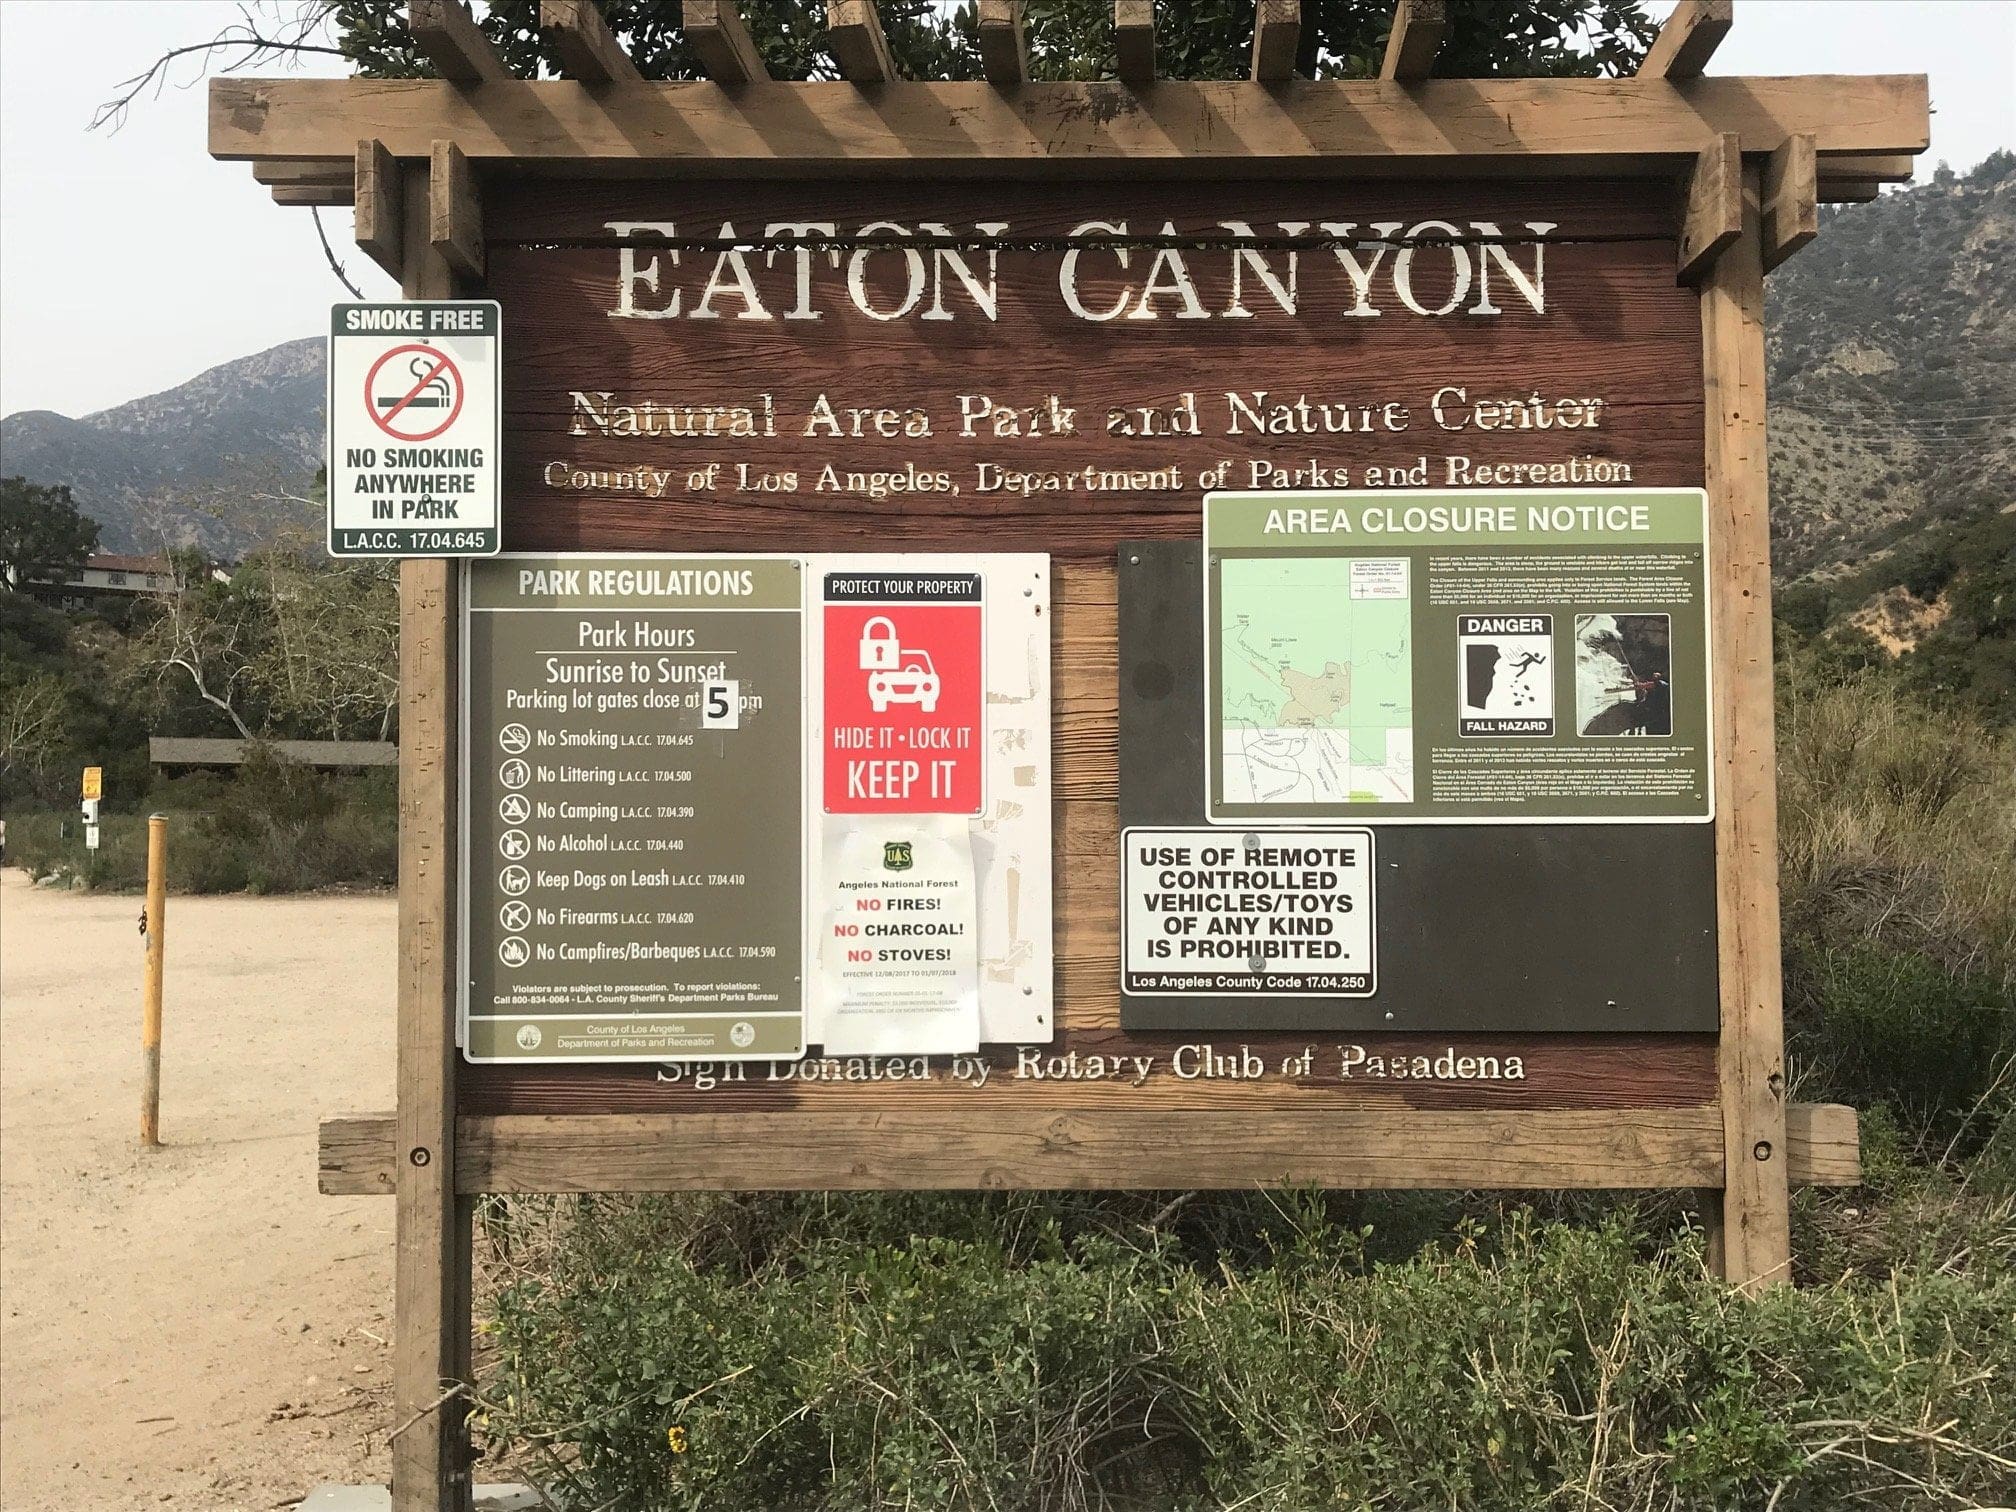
x=155 y=922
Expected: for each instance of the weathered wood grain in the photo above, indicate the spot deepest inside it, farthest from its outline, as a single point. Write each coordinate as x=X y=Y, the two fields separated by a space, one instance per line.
x=1822 y=1149
x=1688 y=39
x=854 y=33
x=1004 y=47
x=1791 y=199
x=380 y=200
x=449 y=38
x=431 y=1275
x=720 y=39
x=588 y=50
x=1755 y=1230
x=1714 y=215
x=1277 y=34
x=455 y=211
x=1439 y=128
x=1420 y=27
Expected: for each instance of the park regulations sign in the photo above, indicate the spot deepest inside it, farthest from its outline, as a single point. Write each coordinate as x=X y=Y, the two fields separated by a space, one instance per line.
x=634 y=779
x=415 y=424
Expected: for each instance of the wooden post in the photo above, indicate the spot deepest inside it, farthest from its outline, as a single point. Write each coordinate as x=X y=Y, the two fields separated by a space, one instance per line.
x=1753 y=1238
x=430 y=1457
x=150 y=1008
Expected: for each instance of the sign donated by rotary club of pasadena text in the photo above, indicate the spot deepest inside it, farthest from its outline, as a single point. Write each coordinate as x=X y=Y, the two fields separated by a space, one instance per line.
x=635 y=759
x=414 y=429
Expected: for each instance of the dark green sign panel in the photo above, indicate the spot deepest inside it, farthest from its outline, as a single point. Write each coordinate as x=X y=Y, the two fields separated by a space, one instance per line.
x=634 y=796
x=1466 y=658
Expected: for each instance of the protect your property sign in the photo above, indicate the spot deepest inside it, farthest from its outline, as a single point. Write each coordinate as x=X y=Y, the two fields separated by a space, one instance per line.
x=414 y=429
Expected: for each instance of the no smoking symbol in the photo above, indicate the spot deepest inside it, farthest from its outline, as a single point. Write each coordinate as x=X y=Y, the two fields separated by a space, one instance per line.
x=415 y=399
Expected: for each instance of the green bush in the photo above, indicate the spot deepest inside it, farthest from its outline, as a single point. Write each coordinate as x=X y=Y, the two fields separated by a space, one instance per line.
x=269 y=827
x=644 y=1362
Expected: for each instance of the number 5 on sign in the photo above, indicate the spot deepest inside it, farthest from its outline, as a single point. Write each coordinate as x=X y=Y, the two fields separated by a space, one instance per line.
x=721 y=705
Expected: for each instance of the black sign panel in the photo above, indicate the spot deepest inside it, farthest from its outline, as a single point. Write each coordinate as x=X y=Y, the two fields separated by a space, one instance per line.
x=1488 y=928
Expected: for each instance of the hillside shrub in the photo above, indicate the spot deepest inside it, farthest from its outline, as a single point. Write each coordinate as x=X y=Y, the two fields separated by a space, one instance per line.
x=270 y=827
x=642 y=1363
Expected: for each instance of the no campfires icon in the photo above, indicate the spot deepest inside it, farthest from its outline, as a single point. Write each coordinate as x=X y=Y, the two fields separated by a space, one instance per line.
x=413 y=392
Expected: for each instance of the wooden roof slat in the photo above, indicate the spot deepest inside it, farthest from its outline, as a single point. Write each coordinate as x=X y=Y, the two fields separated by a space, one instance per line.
x=1791 y=198
x=720 y=39
x=588 y=50
x=1420 y=27
x=1889 y=167
x=333 y=170
x=380 y=217
x=1440 y=127
x=1714 y=215
x=449 y=36
x=1843 y=191
x=454 y=210
x=326 y=195
x=1134 y=40
x=1004 y=48
x=1688 y=40
x=1277 y=33
x=854 y=32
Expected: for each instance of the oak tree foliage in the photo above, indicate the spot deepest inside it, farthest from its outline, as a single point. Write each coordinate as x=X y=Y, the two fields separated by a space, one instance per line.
x=1068 y=39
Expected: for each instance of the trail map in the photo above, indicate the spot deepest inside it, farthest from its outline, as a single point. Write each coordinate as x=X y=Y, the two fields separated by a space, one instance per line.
x=1316 y=692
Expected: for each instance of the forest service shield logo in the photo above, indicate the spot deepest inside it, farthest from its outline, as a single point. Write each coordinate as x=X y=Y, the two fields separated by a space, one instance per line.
x=896 y=855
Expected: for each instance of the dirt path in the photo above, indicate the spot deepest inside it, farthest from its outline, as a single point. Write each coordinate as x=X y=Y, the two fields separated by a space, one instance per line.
x=193 y=1326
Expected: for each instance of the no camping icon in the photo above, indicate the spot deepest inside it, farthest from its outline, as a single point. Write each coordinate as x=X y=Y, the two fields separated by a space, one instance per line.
x=413 y=392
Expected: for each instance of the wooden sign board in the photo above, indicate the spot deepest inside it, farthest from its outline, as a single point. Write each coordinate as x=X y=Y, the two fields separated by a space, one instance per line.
x=1018 y=316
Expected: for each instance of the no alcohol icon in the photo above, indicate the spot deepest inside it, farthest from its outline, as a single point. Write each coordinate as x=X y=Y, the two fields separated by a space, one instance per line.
x=513 y=845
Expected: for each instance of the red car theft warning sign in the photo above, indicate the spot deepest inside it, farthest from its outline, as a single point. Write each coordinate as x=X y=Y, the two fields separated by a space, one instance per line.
x=904 y=693
x=414 y=429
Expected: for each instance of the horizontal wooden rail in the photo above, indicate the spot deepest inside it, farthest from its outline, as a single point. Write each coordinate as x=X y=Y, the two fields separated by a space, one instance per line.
x=1037 y=1148
x=1554 y=127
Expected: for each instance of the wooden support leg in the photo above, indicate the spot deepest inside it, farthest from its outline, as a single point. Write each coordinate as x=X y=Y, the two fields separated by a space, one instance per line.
x=1755 y=1239
x=430 y=1455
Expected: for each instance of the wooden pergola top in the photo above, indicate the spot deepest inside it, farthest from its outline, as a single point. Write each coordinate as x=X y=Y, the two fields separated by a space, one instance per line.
x=605 y=120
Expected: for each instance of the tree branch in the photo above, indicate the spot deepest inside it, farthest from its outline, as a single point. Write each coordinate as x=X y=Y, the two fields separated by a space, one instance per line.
x=245 y=36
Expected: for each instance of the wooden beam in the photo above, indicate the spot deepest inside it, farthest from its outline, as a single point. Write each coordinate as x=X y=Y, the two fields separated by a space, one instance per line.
x=453 y=42
x=1441 y=127
x=324 y=195
x=432 y=1268
x=1004 y=49
x=356 y=1151
x=587 y=49
x=380 y=203
x=1688 y=40
x=854 y=32
x=1756 y=1243
x=1134 y=40
x=720 y=40
x=1836 y=191
x=1791 y=199
x=1714 y=213
x=334 y=170
x=455 y=211
x=1420 y=27
x=1889 y=167
x=1277 y=33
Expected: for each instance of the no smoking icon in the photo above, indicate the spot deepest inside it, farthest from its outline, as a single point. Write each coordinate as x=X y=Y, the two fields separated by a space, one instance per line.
x=413 y=392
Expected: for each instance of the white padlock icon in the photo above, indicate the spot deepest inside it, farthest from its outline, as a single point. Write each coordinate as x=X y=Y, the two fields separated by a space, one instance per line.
x=879 y=650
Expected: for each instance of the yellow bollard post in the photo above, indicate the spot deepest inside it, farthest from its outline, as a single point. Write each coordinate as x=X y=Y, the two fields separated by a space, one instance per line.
x=156 y=923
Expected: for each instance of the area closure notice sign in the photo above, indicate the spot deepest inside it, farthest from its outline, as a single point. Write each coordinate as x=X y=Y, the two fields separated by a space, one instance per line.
x=415 y=419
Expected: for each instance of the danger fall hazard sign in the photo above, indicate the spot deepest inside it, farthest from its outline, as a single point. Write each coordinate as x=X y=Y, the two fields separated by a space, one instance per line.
x=414 y=429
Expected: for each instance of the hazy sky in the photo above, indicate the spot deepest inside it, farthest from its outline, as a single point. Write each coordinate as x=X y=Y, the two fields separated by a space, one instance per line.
x=130 y=261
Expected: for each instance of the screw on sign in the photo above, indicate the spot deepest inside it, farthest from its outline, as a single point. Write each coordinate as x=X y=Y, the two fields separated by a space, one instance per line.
x=413 y=392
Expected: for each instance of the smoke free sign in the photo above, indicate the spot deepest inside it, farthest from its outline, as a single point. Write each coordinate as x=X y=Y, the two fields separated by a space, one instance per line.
x=414 y=429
